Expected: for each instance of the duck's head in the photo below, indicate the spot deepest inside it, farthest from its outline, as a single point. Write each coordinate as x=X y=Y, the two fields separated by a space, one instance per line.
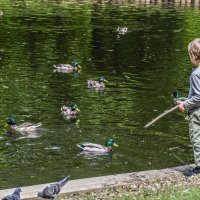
x=176 y=94
x=11 y=121
x=76 y=65
x=110 y=142
x=102 y=79
x=74 y=107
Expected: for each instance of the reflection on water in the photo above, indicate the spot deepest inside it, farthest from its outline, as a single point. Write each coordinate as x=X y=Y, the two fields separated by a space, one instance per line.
x=143 y=67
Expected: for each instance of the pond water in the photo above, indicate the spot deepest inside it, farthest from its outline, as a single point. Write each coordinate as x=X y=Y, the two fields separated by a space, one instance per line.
x=143 y=67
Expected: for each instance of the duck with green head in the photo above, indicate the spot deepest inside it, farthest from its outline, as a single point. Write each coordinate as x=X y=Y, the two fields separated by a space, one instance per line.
x=67 y=68
x=92 y=147
x=71 y=110
x=25 y=128
x=99 y=84
x=177 y=98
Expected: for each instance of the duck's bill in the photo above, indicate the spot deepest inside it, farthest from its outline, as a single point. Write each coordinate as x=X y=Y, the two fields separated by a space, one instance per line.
x=5 y=125
x=79 y=66
x=78 y=110
x=116 y=145
x=106 y=81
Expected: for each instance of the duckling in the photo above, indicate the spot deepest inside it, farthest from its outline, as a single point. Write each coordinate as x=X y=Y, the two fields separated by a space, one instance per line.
x=71 y=110
x=25 y=129
x=92 y=147
x=122 y=30
x=97 y=84
x=67 y=68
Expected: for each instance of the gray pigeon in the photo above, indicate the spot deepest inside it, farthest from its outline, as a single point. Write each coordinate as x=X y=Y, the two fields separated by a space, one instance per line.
x=14 y=196
x=52 y=190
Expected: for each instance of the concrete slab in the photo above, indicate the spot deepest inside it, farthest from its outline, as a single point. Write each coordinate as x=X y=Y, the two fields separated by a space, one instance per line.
x=96 y=183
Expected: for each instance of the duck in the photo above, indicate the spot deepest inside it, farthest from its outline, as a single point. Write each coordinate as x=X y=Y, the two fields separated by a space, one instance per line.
x=71 y=110
x=92 y=147
x=122 y=30
x=67 y=68
x=97 y=84
x=177 y=98
x=25 y=129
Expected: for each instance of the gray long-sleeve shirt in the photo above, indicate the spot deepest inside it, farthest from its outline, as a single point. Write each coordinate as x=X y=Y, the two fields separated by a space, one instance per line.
x=193 y=100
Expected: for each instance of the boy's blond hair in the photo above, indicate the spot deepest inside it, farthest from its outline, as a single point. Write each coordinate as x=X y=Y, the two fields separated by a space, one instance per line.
x=194 y=48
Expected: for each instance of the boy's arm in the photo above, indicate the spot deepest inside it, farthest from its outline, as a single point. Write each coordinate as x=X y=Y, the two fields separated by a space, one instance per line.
x=194 y=100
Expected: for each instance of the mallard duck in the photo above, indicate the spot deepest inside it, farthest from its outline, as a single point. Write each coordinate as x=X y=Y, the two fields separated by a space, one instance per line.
x=87 y=146
x=71 y=110
x=97 y=84
x=177 y=98
x=25 y=128
x=122 y=30
x=67 y=68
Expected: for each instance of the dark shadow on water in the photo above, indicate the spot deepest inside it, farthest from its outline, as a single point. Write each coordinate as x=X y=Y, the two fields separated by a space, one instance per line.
x=11 y=135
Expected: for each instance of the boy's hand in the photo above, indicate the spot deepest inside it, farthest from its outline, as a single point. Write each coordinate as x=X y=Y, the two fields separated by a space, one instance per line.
x=181 y=107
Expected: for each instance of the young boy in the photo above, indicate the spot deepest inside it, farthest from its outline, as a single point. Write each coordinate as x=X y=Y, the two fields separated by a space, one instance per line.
x=192 y=104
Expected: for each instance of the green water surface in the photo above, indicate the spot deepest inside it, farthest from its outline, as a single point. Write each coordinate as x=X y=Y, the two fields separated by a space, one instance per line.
x=143 y=67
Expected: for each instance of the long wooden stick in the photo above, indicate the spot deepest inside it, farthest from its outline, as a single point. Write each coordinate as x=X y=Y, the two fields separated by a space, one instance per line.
x=160 y=116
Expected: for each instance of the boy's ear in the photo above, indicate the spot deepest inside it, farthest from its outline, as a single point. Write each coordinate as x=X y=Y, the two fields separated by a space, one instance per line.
x=195 y=57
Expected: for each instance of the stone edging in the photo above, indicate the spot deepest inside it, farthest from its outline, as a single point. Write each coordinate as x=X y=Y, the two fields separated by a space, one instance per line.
x=98 y=183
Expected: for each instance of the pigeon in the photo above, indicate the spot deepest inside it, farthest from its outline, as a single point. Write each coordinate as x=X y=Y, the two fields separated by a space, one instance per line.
x=52 y=190
x=14 y=196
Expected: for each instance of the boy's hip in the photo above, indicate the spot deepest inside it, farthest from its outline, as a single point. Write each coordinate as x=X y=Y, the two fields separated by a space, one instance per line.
x=194 y=114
